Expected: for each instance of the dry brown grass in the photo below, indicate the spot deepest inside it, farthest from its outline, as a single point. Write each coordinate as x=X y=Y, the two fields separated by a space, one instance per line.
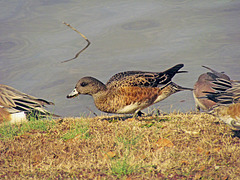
x=173 y=146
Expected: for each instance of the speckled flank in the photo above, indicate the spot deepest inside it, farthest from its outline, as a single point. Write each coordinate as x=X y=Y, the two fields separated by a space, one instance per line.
x=115 y=101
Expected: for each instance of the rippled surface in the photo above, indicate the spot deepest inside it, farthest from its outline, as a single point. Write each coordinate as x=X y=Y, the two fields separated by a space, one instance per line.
x=129 y=35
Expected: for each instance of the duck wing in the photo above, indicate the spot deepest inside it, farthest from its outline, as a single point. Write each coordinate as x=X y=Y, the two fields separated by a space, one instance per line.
x=17 y=101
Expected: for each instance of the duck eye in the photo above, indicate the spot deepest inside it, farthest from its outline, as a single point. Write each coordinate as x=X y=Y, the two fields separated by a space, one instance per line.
x=83 y=84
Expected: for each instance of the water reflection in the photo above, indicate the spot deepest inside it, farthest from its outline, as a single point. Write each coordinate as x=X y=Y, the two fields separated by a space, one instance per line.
x=143 y=35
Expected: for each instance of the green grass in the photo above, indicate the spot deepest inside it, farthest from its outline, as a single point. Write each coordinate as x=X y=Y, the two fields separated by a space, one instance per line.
x=78 y=128
x=8 y=130
x=123 y=166
x=128 y=142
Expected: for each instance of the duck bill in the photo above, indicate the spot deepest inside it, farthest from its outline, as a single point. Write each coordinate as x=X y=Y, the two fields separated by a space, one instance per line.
x=73 y=94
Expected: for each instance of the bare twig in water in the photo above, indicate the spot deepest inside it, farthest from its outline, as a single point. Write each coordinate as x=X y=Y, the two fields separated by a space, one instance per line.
x=88 y=42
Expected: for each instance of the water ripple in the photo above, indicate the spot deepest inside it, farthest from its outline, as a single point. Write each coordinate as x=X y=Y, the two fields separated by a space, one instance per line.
x=140 y=25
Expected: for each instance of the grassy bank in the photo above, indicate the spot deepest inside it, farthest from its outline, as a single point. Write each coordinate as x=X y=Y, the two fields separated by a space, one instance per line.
x=173 y=146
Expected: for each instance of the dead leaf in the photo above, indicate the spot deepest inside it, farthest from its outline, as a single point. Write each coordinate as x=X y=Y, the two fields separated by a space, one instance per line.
x=24 y=136
x=216 y=149
x=191 y=132
x=141 y=157
x=164 y=143
x=200 y=150
x=37 y=159
x=225 y=178
x=202 y=168
x=198 y=176
x=131 y=119
x=208 y=153
x=109 y=155
x=184 y=162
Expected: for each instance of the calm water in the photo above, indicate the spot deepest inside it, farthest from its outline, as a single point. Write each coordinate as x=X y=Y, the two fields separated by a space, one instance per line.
x=125 y=35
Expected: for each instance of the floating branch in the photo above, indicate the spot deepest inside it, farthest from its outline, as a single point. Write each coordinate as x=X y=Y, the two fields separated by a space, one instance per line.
x=88 y=42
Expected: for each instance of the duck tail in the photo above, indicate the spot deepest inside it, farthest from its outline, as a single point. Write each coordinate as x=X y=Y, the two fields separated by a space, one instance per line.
x=173 y=70
x=176 y=87
x=180 y=88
